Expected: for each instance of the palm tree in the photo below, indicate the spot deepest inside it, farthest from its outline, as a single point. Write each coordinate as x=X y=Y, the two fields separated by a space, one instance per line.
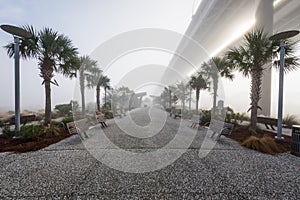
x=198 y=83
x=215 y=67
x=106 y=87
x=55 y=53
x=166 y=96
x=250 y=59
x=182 y=93
x=99 y=81
x=87 y=72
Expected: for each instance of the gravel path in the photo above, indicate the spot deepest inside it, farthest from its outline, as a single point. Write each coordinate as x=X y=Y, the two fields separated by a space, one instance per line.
x=67 y=170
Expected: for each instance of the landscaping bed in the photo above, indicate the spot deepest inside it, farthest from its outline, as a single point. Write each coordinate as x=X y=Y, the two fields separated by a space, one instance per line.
x=8 y=144
x=263 y=141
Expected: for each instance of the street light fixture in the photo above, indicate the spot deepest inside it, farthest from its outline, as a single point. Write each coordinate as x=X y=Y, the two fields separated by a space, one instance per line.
x=281 y=37
x=17 y=32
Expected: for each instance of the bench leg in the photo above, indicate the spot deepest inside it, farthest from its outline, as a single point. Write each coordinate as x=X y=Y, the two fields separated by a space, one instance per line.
x=83 y=135
x=272 y=127
x=266 y=125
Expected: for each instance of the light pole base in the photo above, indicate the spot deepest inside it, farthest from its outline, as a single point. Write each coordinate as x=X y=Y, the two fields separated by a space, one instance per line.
x=279 y=139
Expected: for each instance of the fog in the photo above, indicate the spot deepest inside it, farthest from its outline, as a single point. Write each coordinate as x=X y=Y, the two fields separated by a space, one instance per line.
x=90 y=24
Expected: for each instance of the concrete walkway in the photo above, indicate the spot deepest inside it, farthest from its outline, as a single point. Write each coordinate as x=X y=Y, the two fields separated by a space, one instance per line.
x=67 y=170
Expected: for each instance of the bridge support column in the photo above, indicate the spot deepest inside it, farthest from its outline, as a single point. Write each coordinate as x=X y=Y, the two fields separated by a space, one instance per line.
x=264 y=19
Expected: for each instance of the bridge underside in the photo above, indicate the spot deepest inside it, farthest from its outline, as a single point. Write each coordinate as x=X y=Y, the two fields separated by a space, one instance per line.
x=218 y=25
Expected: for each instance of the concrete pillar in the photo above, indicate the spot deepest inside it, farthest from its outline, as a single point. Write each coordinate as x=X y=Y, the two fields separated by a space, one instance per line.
x=264 y=19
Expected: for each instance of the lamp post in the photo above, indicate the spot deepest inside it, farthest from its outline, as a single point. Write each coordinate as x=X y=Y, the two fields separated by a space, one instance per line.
x=17 y=33
x=281 y=37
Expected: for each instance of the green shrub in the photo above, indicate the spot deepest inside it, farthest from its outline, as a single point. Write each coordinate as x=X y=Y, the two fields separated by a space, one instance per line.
x=168 y=110
x=64 y=109
x=107 y=113
x=205 y=116
x=1 y=123
x=67 y=120
x=30 y=131
x=106 y=106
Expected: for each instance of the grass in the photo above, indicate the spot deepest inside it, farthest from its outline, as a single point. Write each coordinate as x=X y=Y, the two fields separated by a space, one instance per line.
x=290 y=120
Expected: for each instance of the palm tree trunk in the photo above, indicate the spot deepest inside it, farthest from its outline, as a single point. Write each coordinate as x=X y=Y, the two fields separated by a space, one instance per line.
x=197 y=99
x=183 y=106
x=256 y=80
x=98 y=97
x=47 y=103
x=170 y=99
x=82 y=93
x=215 y=93
x=190 y=100
x=105 y=88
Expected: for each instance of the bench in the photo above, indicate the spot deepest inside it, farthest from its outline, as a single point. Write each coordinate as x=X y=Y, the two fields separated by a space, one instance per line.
x=220 y=127
x=196 y=120
x=176 y=113
x=78 y=127
x=267 y=122
x=23 y=119
x=101 y=119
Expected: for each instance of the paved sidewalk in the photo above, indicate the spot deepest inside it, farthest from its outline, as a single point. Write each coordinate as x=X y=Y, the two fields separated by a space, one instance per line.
x=67 y=170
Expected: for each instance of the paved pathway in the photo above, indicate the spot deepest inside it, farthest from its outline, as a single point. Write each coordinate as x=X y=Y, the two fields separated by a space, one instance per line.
x=67 y=170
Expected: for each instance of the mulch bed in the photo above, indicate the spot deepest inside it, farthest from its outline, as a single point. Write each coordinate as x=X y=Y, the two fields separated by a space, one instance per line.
x=240 y=134
x=7 y=144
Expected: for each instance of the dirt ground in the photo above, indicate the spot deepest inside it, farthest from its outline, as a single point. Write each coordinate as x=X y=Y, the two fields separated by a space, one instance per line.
x=7 y=144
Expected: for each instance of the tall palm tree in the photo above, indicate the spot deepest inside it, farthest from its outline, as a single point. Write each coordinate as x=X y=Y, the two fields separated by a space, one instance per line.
x=87 y=73
x=250 y=59
x=198 y=82
x=55 y=53
x=106 y=87
x=213 y=69
x=190 y=97
x=166 y=95
x=173 y=98
x=99 y=81
x=182 y=93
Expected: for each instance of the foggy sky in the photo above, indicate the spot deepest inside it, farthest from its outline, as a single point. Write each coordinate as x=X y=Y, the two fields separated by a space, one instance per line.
x=89 y=24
